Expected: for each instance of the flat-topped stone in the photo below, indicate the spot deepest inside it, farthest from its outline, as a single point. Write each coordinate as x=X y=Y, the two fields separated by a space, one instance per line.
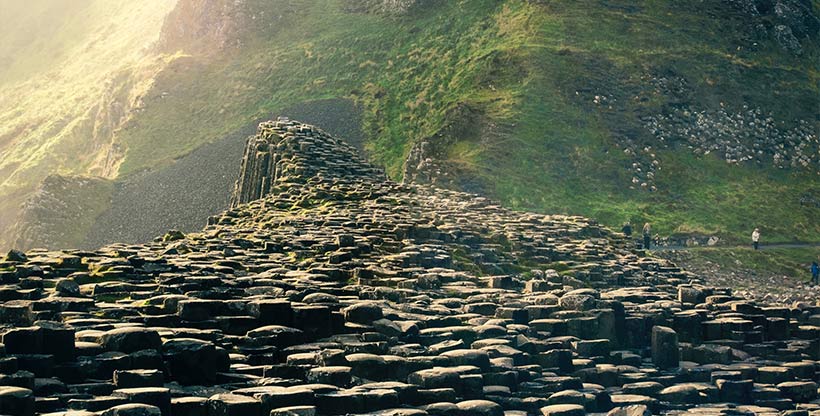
x=329 y=289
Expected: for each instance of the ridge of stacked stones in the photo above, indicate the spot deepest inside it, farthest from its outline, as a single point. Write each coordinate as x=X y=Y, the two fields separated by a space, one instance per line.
x=328 y=289
x=289 y=151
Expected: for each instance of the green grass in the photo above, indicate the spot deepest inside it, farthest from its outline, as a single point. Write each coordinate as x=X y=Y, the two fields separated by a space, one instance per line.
x=518 y=65
x=537 y=144
x=406 y=73
x=560 y=156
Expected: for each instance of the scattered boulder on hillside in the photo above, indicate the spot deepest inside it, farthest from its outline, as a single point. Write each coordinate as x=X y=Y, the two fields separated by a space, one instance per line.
x=790 y=22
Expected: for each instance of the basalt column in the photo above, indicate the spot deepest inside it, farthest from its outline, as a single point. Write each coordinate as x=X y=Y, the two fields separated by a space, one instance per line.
x=289 y=151
x=258 y=170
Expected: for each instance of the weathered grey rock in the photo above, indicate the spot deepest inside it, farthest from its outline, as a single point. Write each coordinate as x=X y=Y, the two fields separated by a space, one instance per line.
x=67 y=287
x=799 y=391
x=336 y=376
x=577 y=301
x=189 y=406
x=154 y=396
x=280 y=336
x=294 y=411
x=23 y=340
x=434 y=378
x=475 y=358
x=193 y=361
x=16 y=401
x=563 y=410
x=480 y=408
x=736 y=391
x=134 y=409
x=16 y=256
x=131 y=339
x=632 y=410
x=138 y=378
x=363 y=313
x=665 y=351
x=233 y=405
x=389 y=299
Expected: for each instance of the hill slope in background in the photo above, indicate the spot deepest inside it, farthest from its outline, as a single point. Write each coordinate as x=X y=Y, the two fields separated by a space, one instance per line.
x=700 y=117
x=71 y=75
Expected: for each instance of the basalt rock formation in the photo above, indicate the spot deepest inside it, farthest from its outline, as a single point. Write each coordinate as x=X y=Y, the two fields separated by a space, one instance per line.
x=340 y=292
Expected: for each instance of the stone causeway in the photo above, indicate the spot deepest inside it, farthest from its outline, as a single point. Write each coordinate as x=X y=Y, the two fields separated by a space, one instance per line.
x=328 y=289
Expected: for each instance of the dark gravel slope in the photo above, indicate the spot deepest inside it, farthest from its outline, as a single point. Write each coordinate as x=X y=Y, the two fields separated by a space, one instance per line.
x=183 y=195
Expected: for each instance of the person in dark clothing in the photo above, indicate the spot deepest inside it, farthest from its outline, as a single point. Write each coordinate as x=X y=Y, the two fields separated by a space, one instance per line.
x=647 y=236
x=627 y=229
x=815 y=273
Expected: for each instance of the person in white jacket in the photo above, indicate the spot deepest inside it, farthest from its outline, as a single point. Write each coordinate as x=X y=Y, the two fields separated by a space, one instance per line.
x=756 y=238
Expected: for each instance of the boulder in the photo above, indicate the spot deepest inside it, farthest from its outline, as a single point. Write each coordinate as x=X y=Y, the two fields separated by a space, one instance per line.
x=227 y=404
x=480 y=408
x=665 y=350
x=133 y=409
x=363 y=313
x=131 y=339
x=563 y=410
x=193 y=361
x=16 y=401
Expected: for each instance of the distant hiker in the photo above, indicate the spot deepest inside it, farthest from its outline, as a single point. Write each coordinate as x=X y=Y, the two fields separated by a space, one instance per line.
x=756 y=238
x=815 y=273
x=647 y=236
x=627 y=229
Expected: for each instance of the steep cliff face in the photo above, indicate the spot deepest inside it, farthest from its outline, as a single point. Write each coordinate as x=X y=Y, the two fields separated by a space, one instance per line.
x=202 y=26
x=61 y=211
x=82 y=73
x=69 y=119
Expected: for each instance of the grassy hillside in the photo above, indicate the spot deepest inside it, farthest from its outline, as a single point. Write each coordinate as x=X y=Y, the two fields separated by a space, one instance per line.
x=528 y=73
x=547 y=106
x=612 y=50
x=71 y=73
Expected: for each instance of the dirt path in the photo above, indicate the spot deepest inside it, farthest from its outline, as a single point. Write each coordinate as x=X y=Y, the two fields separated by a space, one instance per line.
x=762 y=246
x=746 y=280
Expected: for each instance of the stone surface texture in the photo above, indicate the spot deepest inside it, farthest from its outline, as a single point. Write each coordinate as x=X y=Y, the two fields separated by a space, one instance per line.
x=329 y=290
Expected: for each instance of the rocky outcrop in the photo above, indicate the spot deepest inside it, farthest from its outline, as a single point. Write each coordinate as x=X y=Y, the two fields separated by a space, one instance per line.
x=737 y=137
x=429 y=161
x=389 y=7
x=202 y=26
x=60 y=211
x=745 y=135
x=788 y=22
x=341 y=292
x=267 y=159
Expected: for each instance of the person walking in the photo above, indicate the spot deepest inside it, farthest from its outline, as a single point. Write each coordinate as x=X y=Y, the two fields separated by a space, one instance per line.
x=647 y=236
x=756 y=238
x=815 y=273
x=627 y=229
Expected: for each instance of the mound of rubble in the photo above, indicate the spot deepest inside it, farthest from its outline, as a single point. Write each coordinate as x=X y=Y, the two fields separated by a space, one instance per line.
x=739 y=137
x=340 y=292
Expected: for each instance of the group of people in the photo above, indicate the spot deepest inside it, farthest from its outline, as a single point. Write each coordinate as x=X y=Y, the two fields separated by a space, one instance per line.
x=647 y=233
x=647 y=242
